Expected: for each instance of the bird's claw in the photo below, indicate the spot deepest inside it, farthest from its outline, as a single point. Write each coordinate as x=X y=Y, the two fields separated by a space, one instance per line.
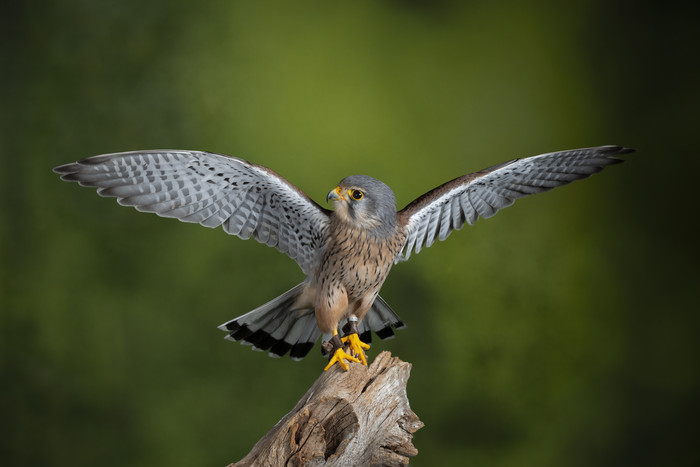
x=339 y=357
x=356 y=346
x=348 y=348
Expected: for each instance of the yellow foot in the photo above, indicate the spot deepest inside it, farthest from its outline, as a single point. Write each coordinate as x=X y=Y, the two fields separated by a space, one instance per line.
x=356 y=346
x=339 y=357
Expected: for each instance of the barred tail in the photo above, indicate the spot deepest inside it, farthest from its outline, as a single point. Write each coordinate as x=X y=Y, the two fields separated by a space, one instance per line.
x=381 y=320
x=277 y=326
x=280 y=328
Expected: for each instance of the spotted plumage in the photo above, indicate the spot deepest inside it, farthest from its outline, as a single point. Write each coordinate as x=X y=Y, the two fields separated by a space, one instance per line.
x=357 y=258
x=346 y=253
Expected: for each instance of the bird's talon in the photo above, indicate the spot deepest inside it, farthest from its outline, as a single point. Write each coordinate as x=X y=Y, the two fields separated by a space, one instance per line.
x=356 y=346
x=339 y=357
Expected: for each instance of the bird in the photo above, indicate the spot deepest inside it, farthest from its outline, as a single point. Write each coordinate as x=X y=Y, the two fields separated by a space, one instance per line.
x=346 y=253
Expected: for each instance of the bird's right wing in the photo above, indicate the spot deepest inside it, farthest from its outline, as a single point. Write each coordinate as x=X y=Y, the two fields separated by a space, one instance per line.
x=482 y=194
x=212 y=190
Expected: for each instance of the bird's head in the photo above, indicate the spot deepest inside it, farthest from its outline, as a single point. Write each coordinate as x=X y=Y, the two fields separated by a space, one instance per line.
x=365 y=202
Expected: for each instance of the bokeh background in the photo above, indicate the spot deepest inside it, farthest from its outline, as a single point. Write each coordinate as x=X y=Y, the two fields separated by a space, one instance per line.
x=562 y=332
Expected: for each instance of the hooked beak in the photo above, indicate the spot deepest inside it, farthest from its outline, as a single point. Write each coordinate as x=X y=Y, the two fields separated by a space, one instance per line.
x=335 y=194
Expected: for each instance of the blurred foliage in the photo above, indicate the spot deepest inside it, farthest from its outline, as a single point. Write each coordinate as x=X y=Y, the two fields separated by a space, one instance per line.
x=561 y=332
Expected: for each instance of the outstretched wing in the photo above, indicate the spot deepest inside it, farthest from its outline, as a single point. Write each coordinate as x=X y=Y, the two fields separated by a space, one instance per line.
x=447 y=207
x=212 y=190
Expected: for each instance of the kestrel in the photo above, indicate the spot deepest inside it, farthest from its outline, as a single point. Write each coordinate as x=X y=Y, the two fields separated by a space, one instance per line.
x=346 y=253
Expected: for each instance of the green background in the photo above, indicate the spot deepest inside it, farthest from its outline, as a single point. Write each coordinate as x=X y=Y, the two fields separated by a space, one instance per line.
x=562 y=332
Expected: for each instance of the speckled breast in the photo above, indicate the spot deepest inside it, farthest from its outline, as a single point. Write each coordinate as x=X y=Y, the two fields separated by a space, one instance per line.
x=359 y=260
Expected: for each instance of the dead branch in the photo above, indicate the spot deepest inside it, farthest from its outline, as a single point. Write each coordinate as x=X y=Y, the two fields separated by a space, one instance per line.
x=355 y=417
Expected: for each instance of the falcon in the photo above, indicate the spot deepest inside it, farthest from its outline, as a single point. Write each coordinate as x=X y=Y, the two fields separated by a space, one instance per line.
x=346 y=253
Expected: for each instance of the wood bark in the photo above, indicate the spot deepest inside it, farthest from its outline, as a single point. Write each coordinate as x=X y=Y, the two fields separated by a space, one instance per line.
x=355 y=417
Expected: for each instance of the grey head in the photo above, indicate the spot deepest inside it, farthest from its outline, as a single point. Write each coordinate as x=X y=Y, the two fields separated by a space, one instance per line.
x=366 y=203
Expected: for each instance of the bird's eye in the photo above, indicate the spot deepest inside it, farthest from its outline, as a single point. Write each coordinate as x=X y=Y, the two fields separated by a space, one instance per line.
x=356 y=194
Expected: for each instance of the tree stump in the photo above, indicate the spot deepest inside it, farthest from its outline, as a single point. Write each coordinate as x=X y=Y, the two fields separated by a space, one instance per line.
x=355 y=417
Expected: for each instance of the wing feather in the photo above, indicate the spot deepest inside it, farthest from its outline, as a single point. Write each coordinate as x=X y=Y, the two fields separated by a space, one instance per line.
x=458 y=218
x=248 y=200
x=482 y=194
x=446 y=220
x=436 y=215
x=467 y=209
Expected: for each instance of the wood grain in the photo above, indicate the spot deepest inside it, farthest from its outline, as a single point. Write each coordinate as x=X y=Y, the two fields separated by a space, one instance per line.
x=358 y=417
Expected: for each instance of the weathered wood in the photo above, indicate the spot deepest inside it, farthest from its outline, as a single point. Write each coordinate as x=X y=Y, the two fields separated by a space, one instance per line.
x=355 y=417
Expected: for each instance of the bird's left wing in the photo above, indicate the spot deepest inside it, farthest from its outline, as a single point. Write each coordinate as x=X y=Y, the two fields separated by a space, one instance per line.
x=212 y=190
x=447 y=207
